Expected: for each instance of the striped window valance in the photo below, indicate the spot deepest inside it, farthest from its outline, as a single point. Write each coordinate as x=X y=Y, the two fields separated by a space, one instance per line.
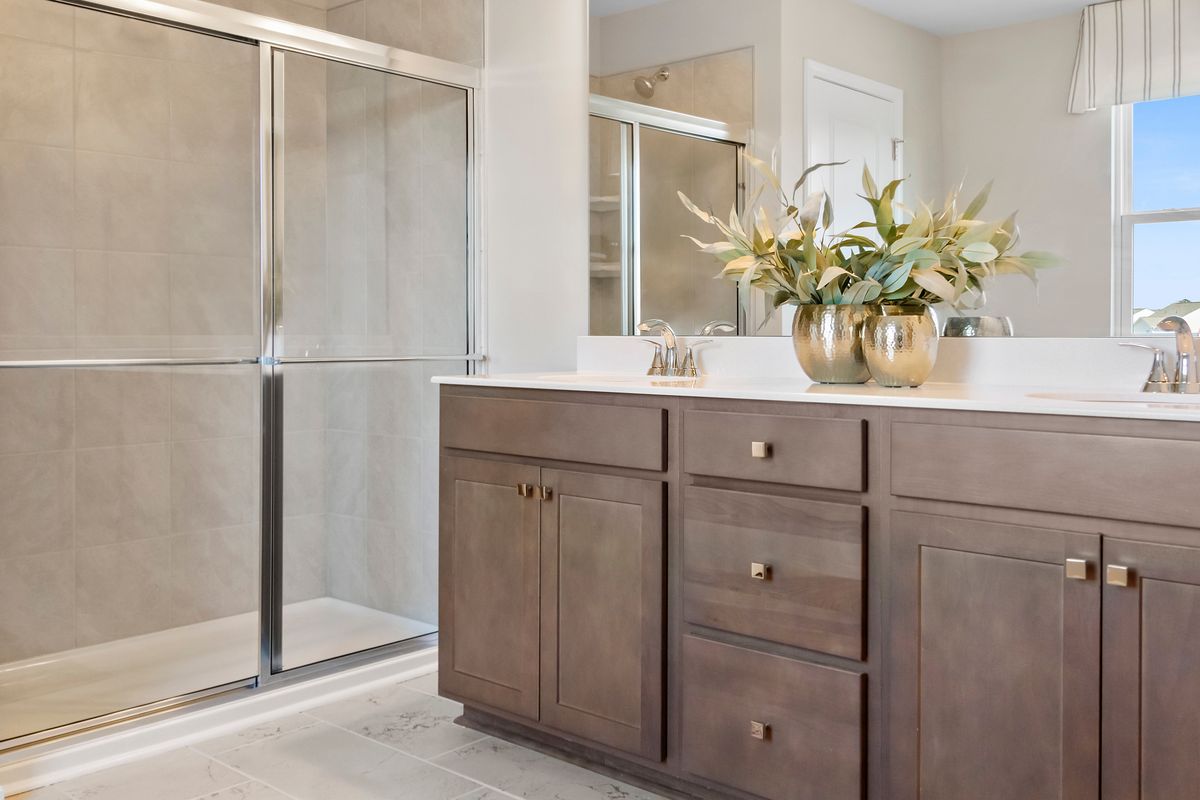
x=1134 y=50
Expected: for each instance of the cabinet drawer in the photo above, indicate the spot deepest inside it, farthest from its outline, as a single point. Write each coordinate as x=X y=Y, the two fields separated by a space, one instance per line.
x=809 y=590
x=812 y=747
x=1116 y=477
x=804 y=451
x=615 y=436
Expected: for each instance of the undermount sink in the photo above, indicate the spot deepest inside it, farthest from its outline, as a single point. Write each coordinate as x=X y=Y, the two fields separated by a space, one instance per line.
x=1140 y=398
x=583 y=377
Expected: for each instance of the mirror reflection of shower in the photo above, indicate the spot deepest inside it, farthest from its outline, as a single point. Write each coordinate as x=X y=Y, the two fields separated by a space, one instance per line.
x=645 y=86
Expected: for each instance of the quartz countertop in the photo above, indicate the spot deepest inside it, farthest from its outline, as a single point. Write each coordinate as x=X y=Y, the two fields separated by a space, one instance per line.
x=1120 y=402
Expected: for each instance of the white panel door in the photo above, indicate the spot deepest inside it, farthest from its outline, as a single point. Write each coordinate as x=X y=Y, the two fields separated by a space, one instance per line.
x=856 y=120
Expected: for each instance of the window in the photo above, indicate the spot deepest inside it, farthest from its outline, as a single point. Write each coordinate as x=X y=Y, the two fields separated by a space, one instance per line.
x=1159 y=200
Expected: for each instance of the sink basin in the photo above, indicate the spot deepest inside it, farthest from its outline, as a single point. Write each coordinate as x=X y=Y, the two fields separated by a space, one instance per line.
x=1139 y=398
x=645 y=380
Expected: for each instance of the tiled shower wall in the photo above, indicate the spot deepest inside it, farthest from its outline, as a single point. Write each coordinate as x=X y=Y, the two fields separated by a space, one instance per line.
x=130 y=498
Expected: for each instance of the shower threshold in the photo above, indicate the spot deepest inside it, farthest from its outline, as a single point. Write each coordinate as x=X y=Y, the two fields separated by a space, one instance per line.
x=50 y=691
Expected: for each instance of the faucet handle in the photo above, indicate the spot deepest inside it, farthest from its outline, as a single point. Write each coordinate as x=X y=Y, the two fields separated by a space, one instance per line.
x=689 y=359
x=1158 y=382
x=658 y=366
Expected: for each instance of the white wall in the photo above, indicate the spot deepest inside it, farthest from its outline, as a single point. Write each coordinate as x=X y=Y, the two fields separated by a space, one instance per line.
x=1005 y=118
x=534 y=150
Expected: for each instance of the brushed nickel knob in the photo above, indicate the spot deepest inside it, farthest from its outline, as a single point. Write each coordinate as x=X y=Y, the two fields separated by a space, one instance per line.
x=760 y=730
x=760 y=449
x=759 y=571
x=1077 y=569
x=1117 y=575
x=524 y=489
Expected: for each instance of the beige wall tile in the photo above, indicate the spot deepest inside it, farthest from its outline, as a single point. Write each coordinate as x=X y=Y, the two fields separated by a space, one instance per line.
x=122 y=590
x=37 y=299
x=214 y=295
x=122 y=300
x=37 y=594
x=125 y=406
x=36 y=514
x=122 y=493
x=209 y=50
x=36 y=84
x=36 y=190
x=453 y=30
x=121 y=104
x=396 y=23
x=214 y=484
x=304 y=463
x=443 y=210
x=304 y=398
x=214 y=113
x=346 y=397
x=346 y=473
x=305 y=558
x=349 y=20
x=37 y=20
x=443 y=122
x=724 y=87
x=214 y=574
x=443 y=295
x=211 y=210
x=121 y=203
x=110 y=33
x=38 y=411
x=214 y=403
x=393 y=481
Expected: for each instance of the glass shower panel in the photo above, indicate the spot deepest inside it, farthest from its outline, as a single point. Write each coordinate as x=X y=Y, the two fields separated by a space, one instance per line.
x=609 y=254
x=675 y=280
x=129 y=518
x=374 y=244
x=360 y=499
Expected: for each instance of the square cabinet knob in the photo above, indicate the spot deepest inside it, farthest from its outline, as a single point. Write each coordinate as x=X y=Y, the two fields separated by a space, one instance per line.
x=760 y=730
x=760 y=449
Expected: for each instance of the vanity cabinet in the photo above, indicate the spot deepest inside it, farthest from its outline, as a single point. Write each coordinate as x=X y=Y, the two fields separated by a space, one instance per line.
x=746 y=600
x=552 y=589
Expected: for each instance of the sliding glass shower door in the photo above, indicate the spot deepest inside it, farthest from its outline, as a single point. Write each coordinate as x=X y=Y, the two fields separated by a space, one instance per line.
x=371 y=275
x=129 y=394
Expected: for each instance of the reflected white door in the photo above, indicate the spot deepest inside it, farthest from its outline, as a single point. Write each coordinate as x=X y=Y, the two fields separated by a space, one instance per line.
x=853 y=119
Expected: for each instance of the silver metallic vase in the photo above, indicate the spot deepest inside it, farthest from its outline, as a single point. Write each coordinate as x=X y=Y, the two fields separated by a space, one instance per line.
x=829 y=342
x=900 y=345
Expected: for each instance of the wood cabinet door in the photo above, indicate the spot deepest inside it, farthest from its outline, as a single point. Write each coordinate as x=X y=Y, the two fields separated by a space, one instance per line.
x=994 y=665
x=602 y=609
x=1151 y=715
x=489 y=584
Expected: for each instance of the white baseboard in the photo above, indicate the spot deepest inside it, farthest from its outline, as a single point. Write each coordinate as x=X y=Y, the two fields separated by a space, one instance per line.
x=74 y=757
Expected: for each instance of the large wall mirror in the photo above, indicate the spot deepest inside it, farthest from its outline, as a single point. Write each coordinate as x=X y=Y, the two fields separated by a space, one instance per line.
x=1084 y=117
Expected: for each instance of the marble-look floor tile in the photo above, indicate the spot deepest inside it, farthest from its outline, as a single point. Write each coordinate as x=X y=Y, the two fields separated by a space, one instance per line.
x=49 y=793
x=257 y=733
x=426 y=683
x=321 y=762
x=178 y=775
x=534 y=776
x=247 y=791
x=411 y=721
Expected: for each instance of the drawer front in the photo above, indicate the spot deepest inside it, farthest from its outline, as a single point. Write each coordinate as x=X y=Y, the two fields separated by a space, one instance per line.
x=804 y=451
x=615 y=436
x=1115 y=477
x=777 y=568
x=811 y=747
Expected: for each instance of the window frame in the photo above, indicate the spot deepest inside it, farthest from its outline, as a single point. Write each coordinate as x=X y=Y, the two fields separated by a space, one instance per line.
x=1126 y=220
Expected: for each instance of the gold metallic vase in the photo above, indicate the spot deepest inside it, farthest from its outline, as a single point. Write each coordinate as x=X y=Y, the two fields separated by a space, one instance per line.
x=901 y=345
x=829 y=342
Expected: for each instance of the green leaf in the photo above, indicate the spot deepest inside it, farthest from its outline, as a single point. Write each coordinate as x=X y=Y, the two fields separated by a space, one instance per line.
x=922 y=259
x=808 y=172
x=872 y=191
x=933 y=281
x=897 y=278
x=976 y=206
x=979 y=252
x=831 y=274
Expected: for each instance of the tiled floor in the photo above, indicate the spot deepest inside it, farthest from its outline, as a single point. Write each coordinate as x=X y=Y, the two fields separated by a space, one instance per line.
x=61 y=688
x=399 y=743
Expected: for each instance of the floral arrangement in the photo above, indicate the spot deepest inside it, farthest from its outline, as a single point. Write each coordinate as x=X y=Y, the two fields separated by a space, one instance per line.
x=941 y=256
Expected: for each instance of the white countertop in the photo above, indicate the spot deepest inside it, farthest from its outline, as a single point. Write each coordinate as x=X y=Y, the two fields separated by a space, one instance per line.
x=1119 y=402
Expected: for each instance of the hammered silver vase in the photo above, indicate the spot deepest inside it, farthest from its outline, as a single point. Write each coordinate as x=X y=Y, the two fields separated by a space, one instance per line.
x=829 y=342
x=901 y=345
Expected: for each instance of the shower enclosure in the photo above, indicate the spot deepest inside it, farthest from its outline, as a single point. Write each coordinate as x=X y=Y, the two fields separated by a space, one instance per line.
x=232 y=253
x=640 y=157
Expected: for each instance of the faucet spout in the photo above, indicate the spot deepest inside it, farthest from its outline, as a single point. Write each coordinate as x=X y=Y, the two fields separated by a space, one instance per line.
x=1187 y=376
x=668 y=333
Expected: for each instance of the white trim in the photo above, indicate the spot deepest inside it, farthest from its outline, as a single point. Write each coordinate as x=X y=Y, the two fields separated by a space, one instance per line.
x=68 y=759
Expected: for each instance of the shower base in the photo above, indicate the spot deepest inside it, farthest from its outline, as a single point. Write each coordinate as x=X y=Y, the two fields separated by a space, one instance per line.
x=49 y=691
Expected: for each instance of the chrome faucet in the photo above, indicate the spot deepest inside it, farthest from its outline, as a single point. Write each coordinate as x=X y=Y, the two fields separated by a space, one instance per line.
x=670 y=350
x=717 y=326
x=1187 y=376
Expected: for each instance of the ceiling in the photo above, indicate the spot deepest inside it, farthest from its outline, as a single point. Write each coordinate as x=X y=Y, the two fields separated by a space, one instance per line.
x=606 y=8
x=949 y=17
